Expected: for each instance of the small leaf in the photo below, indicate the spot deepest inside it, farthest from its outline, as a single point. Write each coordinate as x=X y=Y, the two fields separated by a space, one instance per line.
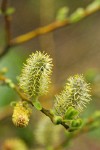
x=77 y=15
x=76 y=123
x=71 y=113
x=10 y=83
x=62 y=14
x=94 y=5
x=37 y=105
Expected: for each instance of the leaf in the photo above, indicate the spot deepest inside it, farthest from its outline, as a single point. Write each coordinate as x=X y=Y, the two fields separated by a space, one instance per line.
x=77 y=15
x=94 y=5
x=62 y=13
x=76 y=123
x=37 y=105
x=71 y=113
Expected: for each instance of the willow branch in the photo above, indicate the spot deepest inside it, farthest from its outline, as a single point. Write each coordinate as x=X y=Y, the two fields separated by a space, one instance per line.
x=7 y=20
x=4 y=80
x=49 y=28
x=85 y=129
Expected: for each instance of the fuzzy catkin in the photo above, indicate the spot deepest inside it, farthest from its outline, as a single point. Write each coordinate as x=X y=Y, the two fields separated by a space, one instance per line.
x=76 y=93
x=35 y=77
x=21 y=114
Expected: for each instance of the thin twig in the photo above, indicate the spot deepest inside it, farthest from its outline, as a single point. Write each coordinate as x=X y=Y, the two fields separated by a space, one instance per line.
x=84 y=129
x=37 y=32
x=25 y=98
x=46 y=29
x=7 y=20
x=71 y=135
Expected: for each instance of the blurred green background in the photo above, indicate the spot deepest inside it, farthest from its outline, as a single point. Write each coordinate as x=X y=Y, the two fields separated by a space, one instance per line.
x=74 y=49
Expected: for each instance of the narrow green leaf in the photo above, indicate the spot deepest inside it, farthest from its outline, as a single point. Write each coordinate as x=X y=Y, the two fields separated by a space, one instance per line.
x=77 y=15
x=37 y=105
x=62 y=14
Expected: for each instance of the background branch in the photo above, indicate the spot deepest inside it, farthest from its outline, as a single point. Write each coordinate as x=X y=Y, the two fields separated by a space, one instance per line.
x=37 y=32
x=7 y=20
x=46 y=29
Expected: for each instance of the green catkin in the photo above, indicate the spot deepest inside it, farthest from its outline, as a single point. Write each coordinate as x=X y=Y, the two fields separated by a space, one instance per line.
x=76 y=94
x=21 y=114
x=35 y=77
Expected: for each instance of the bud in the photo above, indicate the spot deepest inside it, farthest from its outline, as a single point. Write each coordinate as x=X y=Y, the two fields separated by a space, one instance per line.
x=57 y=119
x=21 y=114
x=76 y=123
x=71 y=113
x=77 y=15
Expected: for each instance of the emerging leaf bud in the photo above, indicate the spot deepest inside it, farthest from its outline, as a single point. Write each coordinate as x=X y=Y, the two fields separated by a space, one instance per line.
x=76 y=123
x=57 y=119
x=71 y=113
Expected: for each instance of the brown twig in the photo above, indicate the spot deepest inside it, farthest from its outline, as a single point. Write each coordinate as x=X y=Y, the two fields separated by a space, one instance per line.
x=37 y=32
x=7 y=20
x=46 y=29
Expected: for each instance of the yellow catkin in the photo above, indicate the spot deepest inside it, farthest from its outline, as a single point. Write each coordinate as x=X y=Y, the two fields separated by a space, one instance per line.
x=21 y=114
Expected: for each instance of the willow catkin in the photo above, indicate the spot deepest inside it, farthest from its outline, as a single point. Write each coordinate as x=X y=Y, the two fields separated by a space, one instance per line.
x=35 y=77
x=76 y=94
